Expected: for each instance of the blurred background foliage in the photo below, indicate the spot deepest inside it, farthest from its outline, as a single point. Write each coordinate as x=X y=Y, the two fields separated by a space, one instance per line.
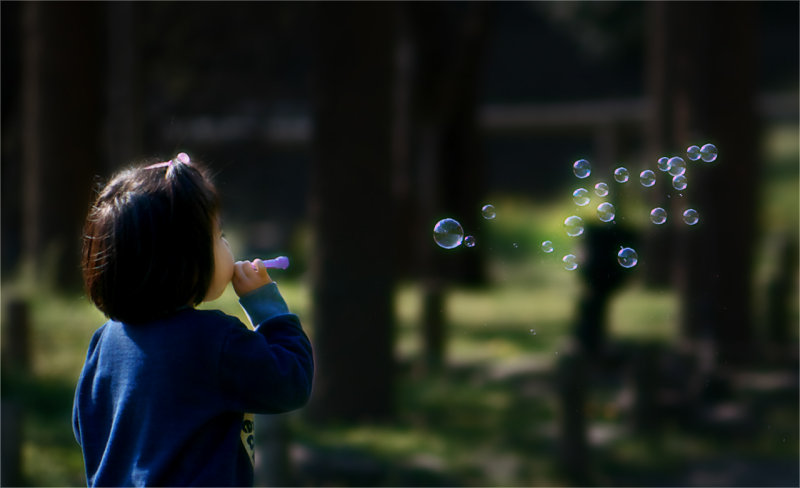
x=339 y=133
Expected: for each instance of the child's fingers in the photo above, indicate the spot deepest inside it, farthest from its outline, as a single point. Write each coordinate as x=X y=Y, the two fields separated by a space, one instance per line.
x=240 y=270
x=261 y=270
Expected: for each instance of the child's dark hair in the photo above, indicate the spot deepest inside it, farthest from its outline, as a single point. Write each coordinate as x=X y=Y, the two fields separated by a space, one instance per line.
x=148 y=243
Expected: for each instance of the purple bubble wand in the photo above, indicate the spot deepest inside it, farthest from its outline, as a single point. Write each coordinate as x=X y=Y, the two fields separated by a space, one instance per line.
x=281 y=262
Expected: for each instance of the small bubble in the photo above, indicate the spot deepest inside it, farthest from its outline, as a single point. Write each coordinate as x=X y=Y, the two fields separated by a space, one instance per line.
x=627 y=257
x=570 y=262
x=693 y=152
x=601 y=189
x=581 y=197
x=621 y=174
x=647 y=178
x=448 y=233
x=708 y=152
x=582 y=168
x=573 y=225
x=470 y=241
x=533 y=331
x=658 y=215
x=516 y=245
x=488 y=212
x=679 y=182
x=663 y=163
x=690 y=216
x=606 y=212
x=547 y=246
x=677 y=166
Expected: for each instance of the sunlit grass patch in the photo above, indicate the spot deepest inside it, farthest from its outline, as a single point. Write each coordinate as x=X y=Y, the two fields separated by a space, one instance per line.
x=639 y=313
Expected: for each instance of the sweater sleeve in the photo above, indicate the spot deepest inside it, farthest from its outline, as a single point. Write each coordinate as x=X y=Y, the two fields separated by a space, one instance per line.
x=269 y=370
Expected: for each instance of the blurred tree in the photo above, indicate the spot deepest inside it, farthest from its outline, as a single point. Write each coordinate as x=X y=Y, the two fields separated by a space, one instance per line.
x=447 y=43
x=351 y=211
x=710 y=77
x=124 y=126
x=11 y=191
x=660 y=69
x=61 y=114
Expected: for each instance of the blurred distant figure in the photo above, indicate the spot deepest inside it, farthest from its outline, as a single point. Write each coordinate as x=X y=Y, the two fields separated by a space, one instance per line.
x=602 y=276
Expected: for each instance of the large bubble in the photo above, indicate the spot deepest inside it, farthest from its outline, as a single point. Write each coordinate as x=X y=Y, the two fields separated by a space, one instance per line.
x=691 y=217
x=582 y=168
x=708 y=153
x=606 y=212
x=448 y=233
x=693 y=152
x=581 y=197
x=647 y=178
x=658 y=215
x=677 y=166
x=573 y=225
x=627 y=257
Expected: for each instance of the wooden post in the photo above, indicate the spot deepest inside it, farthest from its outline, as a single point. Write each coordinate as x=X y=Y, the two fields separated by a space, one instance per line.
x=16 y=337
x=272 y=451
x=16 y=365
x=572 y=386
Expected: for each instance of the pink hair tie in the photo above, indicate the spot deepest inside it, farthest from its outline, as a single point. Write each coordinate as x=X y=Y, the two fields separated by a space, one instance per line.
x=180 y=158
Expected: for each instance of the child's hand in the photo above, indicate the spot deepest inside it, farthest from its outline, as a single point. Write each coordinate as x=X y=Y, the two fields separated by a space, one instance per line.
x=248 y=276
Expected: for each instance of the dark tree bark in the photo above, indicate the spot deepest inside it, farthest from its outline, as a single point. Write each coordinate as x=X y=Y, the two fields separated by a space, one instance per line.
x=351 y=211
x=660 y=67
x=712 y=73
x=61 y=113
x=123 y=128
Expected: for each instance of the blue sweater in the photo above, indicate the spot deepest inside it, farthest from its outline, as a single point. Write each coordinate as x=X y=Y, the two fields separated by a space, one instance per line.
x=170 y=403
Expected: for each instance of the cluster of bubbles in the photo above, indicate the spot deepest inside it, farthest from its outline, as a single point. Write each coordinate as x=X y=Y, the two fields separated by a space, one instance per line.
x=448 y=233
x=674 y=166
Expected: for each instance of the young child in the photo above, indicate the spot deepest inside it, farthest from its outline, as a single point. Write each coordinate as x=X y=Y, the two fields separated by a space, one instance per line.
x=167 y=392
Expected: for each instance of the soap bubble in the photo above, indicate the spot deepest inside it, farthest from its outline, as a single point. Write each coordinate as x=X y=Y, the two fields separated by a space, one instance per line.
x=677 y=166
x=605 y=212
x=582 y=168
x=690 y=216
x=621 y=175
x=693 y=152
x=488 y=212
x=647 y=178
x=581 y=197
x=663 y=163
x=470 y=241
x=708 y=152
x=533 y=331
x=601 y=189
x=547 y=246
x=658 y=215
x=627 y=257
x=574 y=225
x=570 y=262
x=679 y=182
x=448 y=233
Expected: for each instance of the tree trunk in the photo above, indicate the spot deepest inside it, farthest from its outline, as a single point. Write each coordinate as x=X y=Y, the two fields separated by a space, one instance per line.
x=715 y=101
x=448 y=42
x=351 y=211
x=61 y=112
